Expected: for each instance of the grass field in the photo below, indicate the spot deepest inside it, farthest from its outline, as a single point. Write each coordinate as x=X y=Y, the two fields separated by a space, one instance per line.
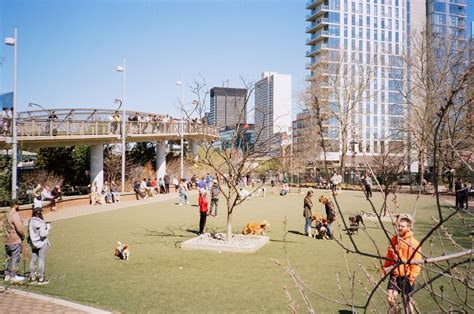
x=161 y=277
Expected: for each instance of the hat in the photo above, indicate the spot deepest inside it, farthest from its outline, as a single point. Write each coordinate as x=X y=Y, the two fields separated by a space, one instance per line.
x=407 y=217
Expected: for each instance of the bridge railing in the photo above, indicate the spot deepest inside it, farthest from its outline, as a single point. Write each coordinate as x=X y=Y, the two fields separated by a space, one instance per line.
x=47 y=127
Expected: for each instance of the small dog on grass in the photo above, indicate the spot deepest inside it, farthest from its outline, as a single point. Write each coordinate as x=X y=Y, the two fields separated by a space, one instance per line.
x=255 y=228
x=122 y=251
x=354 y=222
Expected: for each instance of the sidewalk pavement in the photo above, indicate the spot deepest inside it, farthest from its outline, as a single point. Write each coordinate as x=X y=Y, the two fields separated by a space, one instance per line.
x=17 y=301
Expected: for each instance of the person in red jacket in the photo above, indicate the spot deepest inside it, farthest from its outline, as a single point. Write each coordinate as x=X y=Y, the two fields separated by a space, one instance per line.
x=203 y=207
x=403 y=247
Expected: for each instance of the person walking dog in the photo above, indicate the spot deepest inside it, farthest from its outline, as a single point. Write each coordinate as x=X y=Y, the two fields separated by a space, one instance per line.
x=330 y=213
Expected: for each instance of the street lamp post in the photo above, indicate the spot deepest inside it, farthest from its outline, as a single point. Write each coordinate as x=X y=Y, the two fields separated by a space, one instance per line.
x=180 y=83
x=122 y=68
x=14 y=42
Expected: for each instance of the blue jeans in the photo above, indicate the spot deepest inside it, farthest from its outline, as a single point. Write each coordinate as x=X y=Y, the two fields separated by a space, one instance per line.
x=307 y=225
x=330 y=230
x=12 y=259
x=183 y=197
x=40 y=256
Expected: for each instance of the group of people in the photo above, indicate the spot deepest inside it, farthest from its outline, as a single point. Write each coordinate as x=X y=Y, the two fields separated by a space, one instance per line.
x=41 y=194
x=37 y=238
x=147 y=187
x=108 y=193
x=6 y=121
x=308 y=214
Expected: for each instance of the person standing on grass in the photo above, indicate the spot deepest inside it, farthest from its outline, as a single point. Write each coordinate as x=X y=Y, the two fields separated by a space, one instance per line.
x=215 y=192
x=167 y=183
x=38 y=230
x=403 y=247
x=202 y=201
x=183 y=192
x=307 y=213
x=457 y=188
x=330 y=214
x=13 y=237
x=368 y=185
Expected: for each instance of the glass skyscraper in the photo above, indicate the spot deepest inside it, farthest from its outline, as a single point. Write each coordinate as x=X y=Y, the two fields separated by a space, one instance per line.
x=374 y=35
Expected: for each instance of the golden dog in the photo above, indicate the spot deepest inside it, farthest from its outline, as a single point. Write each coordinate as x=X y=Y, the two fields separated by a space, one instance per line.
x=255 y=228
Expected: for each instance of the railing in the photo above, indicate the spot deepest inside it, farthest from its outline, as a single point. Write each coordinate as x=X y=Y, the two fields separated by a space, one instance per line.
x=42 y=127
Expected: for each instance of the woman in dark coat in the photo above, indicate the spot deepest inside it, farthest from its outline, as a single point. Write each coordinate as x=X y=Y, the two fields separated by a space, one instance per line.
x=330 y=213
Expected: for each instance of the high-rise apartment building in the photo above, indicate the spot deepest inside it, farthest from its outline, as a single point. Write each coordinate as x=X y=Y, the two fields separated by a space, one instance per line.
x=272 y=105
x=367 y=40
x=448 y=19
x=227 y=107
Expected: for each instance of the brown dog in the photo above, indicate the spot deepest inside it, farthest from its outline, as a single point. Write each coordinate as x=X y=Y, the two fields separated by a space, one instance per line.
x=122 y=251
x=255 y=228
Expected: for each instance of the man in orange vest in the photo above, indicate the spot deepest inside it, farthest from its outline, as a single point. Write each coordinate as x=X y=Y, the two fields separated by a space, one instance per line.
x=403 y=247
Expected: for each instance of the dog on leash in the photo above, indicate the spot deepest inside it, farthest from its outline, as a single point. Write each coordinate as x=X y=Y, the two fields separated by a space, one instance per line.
x=255 y=228
x=322 y=229
x=354 y=222
x=122 y=251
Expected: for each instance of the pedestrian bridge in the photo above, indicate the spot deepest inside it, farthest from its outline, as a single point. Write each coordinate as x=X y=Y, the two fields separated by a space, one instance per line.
x=35 y=129
x=97 y=127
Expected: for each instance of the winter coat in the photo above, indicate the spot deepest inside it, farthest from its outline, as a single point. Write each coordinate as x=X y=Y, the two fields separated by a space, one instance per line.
x=39 y=231
x=405 y=247
x=308 y=204
x=215 y=192
x=330 y=211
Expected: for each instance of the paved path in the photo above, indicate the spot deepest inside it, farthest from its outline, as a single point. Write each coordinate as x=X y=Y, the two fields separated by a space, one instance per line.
x=17 y=301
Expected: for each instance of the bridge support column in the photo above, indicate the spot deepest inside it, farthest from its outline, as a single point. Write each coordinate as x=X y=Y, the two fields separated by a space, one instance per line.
x=97 y=165
x=160 y=150
x=195 y=150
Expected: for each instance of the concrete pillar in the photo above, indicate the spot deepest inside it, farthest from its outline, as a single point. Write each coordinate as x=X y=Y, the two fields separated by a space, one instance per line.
x=97 y=165
x=195 y=150
x=160 y=150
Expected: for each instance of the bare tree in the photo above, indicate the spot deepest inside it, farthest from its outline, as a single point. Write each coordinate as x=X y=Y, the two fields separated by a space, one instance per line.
x=446 y=271
x=234 y=158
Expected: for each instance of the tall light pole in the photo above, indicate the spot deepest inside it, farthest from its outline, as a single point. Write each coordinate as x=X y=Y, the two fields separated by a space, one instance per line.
x=14 y=42
x=122 y=68
x=180 y=83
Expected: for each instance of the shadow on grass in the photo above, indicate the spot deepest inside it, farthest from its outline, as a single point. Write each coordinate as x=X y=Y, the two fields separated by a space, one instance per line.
x=296 y=232
x=281 y=241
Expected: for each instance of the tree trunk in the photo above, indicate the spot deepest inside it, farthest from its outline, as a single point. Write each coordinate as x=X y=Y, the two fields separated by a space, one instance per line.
x=229 y=221
x=229 y=226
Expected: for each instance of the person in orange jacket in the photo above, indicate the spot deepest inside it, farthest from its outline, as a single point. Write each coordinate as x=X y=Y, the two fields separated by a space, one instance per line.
x=203 y=208
x=403 y=247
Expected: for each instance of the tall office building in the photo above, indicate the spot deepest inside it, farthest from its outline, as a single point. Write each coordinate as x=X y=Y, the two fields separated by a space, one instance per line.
x=372 y=37
x=272 y=105
x=227 y=106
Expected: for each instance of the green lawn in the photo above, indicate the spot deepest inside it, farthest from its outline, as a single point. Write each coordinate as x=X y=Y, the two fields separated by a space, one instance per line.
x=161 y=277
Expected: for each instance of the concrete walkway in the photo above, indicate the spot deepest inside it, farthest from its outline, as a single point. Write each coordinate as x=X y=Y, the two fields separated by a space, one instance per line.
x=18 y=301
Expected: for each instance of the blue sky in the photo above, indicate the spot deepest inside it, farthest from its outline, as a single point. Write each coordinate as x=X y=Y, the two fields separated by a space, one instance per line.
x=68 y=49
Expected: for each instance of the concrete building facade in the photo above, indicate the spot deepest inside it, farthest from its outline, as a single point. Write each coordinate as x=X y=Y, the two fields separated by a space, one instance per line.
x=227 y=107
